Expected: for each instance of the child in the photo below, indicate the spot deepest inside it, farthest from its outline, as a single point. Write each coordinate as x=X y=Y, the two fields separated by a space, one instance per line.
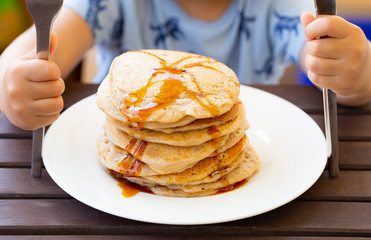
x=257 y=39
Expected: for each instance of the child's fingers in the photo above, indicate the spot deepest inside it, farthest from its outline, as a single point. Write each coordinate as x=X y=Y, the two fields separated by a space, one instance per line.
x=38 y=70
x=36 y=122
x=47 y=89
x=322 y=66
x=307 y=18
x=325 y=48
x=37 y=113
x=48 y=106
x=332 y=26
x=46 y=120
x=324 y=81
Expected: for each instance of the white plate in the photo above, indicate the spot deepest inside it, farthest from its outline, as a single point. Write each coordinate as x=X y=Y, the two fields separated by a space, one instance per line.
x=290 y=145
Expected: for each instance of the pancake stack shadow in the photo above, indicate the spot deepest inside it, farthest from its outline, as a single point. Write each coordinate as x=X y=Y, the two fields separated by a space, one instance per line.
x=174 y=124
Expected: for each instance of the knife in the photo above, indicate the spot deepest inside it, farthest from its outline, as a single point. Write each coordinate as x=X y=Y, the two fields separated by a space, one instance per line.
x=43 y=13
x=328 y=7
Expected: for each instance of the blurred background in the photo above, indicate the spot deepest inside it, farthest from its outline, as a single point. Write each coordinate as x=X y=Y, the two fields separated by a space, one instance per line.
x=14 y=19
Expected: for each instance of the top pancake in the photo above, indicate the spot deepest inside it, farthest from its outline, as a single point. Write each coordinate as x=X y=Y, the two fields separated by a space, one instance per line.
x=185 y=124
x=167 y=86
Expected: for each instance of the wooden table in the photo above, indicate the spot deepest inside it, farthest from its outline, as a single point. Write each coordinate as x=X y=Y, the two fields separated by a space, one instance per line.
x=36 y=208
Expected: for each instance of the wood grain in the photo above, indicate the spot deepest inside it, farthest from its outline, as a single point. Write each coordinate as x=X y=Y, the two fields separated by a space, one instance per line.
x=68 y=216
x=169 y=237
x=348 y=186
x=15 y=152
x=18 y=183
x=355 y=155
x=350 y=127
x=8 y=130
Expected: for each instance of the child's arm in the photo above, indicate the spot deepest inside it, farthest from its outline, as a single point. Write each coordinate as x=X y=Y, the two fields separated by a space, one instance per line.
x=341 y=62
x=30 y=89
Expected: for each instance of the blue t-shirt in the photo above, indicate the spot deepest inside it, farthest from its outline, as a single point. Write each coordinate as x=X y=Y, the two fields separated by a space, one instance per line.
x=256 y=38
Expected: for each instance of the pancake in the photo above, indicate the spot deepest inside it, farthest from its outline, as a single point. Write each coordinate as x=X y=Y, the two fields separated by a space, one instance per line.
x=165 y=86
x=167 y=158
x=212 y=177
x=206 y=122
x=246 y=169
x=203 y=168
x=188 y=138
x=110 y=156
x=117 y=159
x=185 y=124
x=105 y=104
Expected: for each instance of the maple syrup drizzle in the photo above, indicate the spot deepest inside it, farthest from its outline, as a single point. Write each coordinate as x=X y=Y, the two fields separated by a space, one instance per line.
x=153 y=55
x=172 y=85
x=129 y=189
x=232 y=187
x=213 y=131
x=130 y=145
x=130 y=165
x=193 y=56
x=140 y=149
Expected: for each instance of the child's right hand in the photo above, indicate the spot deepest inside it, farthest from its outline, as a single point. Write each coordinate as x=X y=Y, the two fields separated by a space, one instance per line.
x=31 y=89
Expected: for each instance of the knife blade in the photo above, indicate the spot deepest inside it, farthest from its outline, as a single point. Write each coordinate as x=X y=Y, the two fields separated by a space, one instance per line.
x=328 y=7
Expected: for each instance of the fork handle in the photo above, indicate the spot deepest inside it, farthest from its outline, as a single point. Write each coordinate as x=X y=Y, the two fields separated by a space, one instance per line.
x=43 y=52
x=37 y=141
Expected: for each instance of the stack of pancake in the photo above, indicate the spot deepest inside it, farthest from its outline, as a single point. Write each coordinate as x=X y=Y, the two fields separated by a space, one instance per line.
x=174 y=124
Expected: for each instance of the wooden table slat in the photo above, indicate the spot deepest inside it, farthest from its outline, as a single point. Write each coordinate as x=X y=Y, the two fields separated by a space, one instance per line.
x=18 y=183
x=8 y=130
x=357 y=127
x=355 y=155
x=168 y=237
x=348 y=186
x=15 y=152
x=69 y=216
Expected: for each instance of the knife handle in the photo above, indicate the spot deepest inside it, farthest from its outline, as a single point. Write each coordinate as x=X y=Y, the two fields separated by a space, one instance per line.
x=325 y=7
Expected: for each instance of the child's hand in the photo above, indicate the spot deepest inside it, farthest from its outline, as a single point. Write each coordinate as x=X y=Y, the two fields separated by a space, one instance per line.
x=30 y=91
x=340 y=62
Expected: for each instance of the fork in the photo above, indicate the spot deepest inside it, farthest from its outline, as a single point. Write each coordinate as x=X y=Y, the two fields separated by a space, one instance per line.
x=43 y=13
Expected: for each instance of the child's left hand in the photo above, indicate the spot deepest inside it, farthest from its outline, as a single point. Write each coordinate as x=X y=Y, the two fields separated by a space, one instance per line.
x=341 y=61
